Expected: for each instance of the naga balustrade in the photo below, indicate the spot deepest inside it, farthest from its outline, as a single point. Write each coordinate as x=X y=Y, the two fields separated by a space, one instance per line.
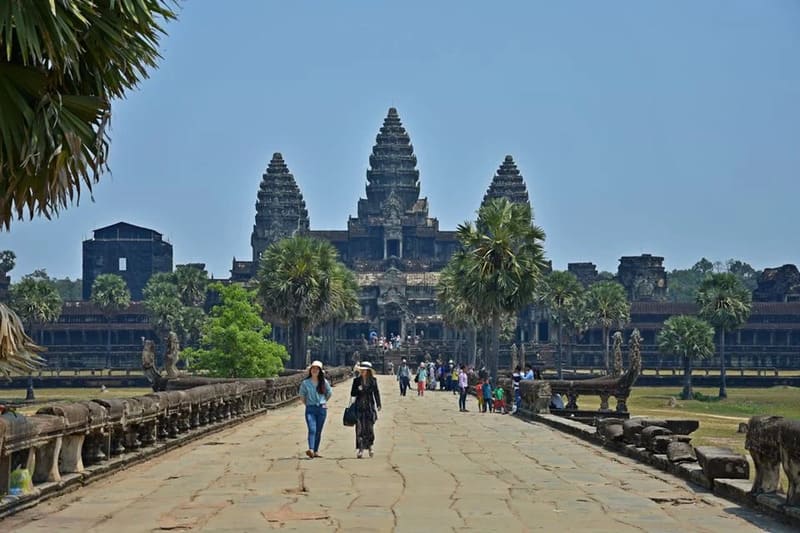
x=69 y=438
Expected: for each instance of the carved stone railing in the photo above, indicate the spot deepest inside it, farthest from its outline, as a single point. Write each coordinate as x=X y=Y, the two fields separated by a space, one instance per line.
x=65 y=443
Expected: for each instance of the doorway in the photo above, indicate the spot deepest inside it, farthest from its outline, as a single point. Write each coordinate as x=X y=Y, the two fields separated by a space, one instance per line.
x=392 y=327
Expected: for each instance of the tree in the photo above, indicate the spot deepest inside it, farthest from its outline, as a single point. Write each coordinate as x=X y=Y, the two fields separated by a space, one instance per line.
x=174 y=300
x=110 y=295
x=63 y=62
x=559 y=294
x=69 y=289
x=8 y=260
x=609 y=307
x=235 y=340
x=690 y=337
x=725 y=303
x=18 y=352
x=500 y=264
x=302 y=283
x=192 y=283
x=577 y=321
x=456 y=311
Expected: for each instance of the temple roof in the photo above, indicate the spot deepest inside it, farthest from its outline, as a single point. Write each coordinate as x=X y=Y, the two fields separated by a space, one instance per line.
x=507 y=183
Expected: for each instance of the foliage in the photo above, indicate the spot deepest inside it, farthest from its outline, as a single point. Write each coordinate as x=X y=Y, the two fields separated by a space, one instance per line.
x=63 y=62
x=302 y=283
x=173 y=301
x=560 y=293
x=690 y=337
x=609 y=307
x=725 y=303
x=235 y=340
x=500 y=264
x=684 y=283
x=69 y=289
x=36 y=299
x=110 y=294
x=18 y=352
x=8 y=260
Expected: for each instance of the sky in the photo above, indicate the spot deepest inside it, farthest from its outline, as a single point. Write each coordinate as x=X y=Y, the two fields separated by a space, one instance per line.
x=670 y=128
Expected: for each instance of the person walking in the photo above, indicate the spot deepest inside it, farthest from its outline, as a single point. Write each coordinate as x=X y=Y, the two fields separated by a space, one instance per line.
x=421 y=379
x=364 y=393
x=403 y=376
x=463 y=383
x=516 y=377
x=315 y=392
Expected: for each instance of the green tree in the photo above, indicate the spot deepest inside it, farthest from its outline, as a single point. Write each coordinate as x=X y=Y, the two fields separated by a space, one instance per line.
x=192 y=283
x=235 y=340
x=174 y=302
x=725 y=303
x=303 y=284
x=559 y=294
x=110 y=295
x=610 y=308
x=500 y=264
x=690 y=337
x=69 y=289
x=456 y=311
x=577 y=321
x=62 y=64
x=8 y=260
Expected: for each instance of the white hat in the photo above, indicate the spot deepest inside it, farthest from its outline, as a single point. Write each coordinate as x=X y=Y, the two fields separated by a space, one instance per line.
x=365 y=365
x=318 y=364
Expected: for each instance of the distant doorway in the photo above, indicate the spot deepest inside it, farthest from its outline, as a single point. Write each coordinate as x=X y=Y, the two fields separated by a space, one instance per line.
x=392 y=327
x=393 y=248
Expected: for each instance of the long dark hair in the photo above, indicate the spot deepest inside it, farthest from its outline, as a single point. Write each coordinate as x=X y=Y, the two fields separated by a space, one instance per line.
x=320 y=380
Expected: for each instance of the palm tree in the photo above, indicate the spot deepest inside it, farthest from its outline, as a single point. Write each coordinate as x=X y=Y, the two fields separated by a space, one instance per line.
x=725 y=303
x=62 y=64
x=110 y=295
x=610 y=308
x=303 y=284
x=577 y=321
x=18 y=352
x=456 y=311
x=192 y=283
x=500 y=264
x=558 y=294
x=37 y=302
x=692 y=338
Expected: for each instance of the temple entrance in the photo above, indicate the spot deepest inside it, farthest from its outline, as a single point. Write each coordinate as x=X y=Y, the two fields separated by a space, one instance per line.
x=392 y=327
x=393 y=248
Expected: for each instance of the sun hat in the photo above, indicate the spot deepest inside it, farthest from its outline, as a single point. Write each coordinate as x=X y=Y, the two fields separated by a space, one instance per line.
x=317 y=364
x=365 y=365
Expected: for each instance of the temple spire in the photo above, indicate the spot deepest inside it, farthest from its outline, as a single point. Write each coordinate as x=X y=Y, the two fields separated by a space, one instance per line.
x=280 y=210
x=393 y=166
x=507 y=183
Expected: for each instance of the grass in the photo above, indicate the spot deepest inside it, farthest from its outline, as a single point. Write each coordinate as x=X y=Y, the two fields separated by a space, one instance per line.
x=16 y=397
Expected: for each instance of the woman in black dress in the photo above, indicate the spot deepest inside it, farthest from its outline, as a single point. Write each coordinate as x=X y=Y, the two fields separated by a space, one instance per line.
x=367 y=398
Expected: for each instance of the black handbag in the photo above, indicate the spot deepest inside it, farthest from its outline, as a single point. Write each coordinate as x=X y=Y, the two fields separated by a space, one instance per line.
x=350 y=415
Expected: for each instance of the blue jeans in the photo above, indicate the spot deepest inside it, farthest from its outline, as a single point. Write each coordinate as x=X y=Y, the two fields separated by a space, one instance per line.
x=315 y=419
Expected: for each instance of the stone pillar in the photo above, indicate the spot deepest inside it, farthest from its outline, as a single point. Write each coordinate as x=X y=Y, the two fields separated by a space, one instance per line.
x=385 y=248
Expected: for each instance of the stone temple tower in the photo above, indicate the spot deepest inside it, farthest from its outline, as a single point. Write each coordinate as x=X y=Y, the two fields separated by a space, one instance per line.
x=507 y=183
x=280 y=209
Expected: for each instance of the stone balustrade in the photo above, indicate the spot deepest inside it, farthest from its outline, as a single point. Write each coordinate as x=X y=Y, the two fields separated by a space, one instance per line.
x=66 y=443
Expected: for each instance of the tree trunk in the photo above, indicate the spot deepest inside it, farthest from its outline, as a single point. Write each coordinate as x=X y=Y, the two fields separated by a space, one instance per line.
x=687 y=393
x=605 y=350
x=108 y=345
x=723 y=389
x=473 y=345
x=485 y=347
x=494 y=357
x=299 y=343
x=560 y=351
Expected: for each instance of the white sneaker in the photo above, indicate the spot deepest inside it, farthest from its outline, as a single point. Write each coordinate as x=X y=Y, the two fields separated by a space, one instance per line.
x=360 y=454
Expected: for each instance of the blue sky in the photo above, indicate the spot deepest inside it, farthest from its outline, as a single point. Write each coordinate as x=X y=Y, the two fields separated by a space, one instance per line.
x=670 y=128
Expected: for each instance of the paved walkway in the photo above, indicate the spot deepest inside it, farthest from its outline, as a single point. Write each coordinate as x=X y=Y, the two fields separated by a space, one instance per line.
x=435 y=469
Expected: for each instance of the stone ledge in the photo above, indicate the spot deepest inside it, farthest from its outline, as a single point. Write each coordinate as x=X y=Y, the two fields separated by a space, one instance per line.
x=735 y=490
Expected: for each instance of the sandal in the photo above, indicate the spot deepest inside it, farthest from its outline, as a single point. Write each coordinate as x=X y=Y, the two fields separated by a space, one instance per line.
x=310 y=454
x=317 y=455
x=360 y=454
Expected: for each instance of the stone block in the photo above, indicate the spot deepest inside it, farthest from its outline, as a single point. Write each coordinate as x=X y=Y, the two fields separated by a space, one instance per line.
x=662 y=442
x=649 y=434
x=682 y=426
x=680 y=452
x=612 y=432
x=632 y=428
x=718 y=462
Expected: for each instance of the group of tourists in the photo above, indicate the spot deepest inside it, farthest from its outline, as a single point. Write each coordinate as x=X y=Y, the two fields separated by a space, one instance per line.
x=315 y=391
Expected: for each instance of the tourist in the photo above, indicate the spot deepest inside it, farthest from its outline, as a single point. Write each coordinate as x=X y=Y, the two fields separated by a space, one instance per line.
x=364 y=393
x=479 y=395
x=463 y=383
x=500 y=400
x=421 y=379
x=448 y=376
x=315 y=392
x=431 y=376
x=403 y=376
x=486 y=393
x=516 y=377
x=556 y=402
x=528 y=373
x=454 y=379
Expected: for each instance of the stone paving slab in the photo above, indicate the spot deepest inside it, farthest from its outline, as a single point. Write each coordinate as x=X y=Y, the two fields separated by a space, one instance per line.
x=435 y=469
